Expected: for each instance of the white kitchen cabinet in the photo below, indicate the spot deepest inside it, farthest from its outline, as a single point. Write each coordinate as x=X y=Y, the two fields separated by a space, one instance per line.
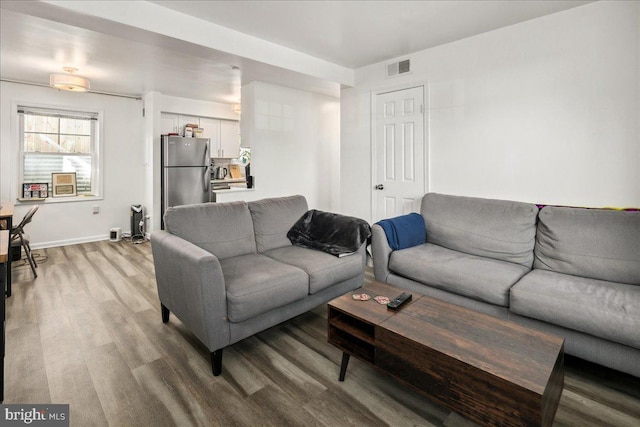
x=185 y=120
x=229 y=139
x=168 y=123
x=174 y=123
x=211 y=130
x=224 y=136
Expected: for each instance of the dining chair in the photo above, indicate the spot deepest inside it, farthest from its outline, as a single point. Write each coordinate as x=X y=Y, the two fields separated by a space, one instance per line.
x=21 y=240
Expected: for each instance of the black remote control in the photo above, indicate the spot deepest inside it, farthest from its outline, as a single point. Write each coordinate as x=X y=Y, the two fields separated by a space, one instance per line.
x=398 y=301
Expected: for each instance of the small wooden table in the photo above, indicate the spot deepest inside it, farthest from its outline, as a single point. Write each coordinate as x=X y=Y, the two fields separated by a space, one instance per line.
x=4 y=261
x=492 y=371
x=6 y=214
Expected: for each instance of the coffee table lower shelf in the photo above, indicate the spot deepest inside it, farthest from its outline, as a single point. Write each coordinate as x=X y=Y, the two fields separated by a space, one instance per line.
x=473 y=370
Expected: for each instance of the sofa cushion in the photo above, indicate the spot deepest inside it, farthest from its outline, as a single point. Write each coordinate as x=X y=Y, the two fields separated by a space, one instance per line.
x=483 y=279
x=324 y=270
x=272 y=219
x=595 y=243
x=498 y=229
x=256 y=284
x=224 y=229
x=605 y=309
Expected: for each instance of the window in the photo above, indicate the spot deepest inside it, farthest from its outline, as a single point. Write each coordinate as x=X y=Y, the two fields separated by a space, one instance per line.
x=59 y=141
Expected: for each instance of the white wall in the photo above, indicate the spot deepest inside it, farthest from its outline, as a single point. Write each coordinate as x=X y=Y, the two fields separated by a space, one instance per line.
x=295 y=140
x=301 y=160
x=122 y=158
x=546 y=111
x=195 y=107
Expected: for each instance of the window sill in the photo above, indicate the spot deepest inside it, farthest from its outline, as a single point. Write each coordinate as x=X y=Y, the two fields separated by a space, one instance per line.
x=48 y=200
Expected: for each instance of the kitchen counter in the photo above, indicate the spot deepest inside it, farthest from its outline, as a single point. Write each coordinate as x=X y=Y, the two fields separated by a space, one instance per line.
x=220 y=184
x=233 y=194
x=233 y=190
x=228 y=181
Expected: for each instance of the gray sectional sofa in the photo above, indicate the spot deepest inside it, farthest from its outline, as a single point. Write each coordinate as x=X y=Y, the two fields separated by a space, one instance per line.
x=228 y=270
x=569 y=271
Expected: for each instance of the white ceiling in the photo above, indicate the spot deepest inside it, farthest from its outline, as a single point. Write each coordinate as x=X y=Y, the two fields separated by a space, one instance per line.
x=39 y=38
x=359 y=33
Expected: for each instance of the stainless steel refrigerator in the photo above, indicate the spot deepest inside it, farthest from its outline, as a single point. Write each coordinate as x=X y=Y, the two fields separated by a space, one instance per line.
x=186 y=177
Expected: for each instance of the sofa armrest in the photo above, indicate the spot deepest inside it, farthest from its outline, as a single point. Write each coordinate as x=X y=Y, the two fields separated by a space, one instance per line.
x=191 y=285
x=380 y=251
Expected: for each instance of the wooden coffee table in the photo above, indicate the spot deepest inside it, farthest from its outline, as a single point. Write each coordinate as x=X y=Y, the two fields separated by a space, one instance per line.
x=492 y=371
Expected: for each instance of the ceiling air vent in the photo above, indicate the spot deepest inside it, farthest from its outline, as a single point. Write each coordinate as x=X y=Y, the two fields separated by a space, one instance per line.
x=398 y=68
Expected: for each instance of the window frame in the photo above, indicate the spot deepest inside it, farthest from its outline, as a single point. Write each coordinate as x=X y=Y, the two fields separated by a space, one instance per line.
x=97 y=180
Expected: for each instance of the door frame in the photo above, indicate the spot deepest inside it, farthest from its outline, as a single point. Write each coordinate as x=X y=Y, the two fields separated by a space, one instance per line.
x=426 y=136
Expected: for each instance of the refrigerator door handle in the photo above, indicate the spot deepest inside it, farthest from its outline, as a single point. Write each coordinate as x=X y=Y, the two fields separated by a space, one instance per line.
x=165 y=190
x=205 y=159
x=206 y=180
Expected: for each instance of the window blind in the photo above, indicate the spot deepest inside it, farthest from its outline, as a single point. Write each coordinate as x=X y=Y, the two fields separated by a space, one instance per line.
x=61 y=114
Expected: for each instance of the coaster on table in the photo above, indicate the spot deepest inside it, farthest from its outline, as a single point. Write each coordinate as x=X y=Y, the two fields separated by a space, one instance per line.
x=380 y=299
x=361 y=297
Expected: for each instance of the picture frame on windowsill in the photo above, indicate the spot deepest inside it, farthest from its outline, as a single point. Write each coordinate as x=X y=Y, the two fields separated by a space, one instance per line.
x=35 y=190
x=64 y=184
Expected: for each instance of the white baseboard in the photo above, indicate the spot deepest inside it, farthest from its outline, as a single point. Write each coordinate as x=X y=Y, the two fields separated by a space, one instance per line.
x=68 y=242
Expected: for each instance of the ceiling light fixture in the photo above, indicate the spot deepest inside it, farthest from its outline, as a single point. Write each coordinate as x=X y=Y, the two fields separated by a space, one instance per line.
x=236 y=108
x=69 y=81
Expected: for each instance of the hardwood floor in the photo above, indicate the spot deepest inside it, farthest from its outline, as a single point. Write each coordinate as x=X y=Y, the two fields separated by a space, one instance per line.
x=88 y=332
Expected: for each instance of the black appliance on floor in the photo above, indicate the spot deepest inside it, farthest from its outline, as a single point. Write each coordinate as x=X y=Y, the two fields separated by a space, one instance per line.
x=137 y=223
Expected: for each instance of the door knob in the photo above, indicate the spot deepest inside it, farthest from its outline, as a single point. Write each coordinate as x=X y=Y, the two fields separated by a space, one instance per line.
x=379 y=187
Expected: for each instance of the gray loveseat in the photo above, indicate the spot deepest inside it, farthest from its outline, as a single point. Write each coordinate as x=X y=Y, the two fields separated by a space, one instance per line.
x=228 y=270
x=569 y=271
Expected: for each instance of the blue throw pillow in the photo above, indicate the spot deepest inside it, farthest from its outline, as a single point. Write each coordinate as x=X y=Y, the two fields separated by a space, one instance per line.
x=404 y=231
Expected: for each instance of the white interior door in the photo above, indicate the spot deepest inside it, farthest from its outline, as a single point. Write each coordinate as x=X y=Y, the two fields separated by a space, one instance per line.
x=399 y=161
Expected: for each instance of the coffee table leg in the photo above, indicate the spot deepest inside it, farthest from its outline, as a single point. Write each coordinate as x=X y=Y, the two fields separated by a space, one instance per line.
x=343 y=366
